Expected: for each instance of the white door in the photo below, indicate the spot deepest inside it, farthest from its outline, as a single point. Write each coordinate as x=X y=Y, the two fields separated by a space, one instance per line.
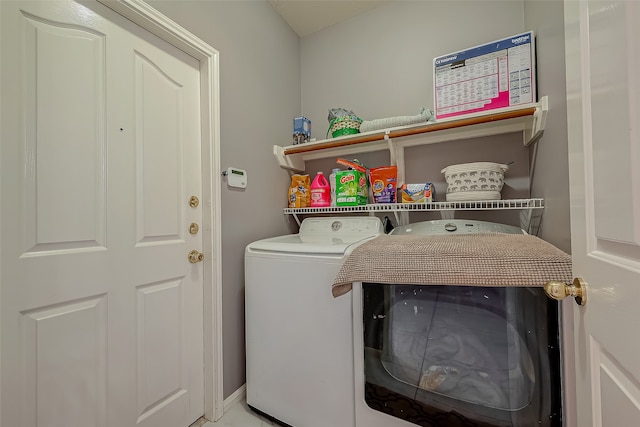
x=102 y=317
x=603 y=94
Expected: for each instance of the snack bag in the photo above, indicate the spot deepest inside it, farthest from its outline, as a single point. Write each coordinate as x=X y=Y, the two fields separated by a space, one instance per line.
x=299 y=191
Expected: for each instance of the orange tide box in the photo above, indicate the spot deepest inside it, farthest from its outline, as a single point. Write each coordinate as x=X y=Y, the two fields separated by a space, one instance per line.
x=417 y=193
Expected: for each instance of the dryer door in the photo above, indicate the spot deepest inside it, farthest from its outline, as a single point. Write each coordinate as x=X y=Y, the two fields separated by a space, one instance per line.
x=456 y=355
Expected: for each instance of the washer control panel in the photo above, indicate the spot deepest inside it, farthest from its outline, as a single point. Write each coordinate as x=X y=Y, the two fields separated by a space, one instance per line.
x=455 y=226
x=347 y=229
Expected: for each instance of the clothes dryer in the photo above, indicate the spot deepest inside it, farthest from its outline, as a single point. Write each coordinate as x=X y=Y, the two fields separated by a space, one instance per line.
x=453 y=356
x=299 y=339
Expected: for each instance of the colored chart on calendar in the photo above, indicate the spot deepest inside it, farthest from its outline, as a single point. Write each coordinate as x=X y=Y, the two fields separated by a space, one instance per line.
x=493 y=76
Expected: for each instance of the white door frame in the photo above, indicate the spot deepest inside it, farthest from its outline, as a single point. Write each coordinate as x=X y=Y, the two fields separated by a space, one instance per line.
x=153 y=21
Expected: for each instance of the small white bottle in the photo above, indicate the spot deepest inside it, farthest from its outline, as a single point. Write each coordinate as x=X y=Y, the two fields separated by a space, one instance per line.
x=332 y=185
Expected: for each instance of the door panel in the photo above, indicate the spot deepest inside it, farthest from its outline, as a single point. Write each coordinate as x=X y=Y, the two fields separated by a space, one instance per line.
x=160 y=342
x=64 y=147
x=613 y=90
x=615 y=384
x=159 y=108
x=102 y=317
x=65 y=364
x=602 y=52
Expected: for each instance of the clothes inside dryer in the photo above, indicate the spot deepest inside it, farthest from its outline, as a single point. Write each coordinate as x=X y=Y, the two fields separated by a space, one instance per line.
x=461 y=349
x=461 y=355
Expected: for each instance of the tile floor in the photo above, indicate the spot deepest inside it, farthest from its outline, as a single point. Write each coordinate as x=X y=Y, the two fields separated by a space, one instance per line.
x=240 y=415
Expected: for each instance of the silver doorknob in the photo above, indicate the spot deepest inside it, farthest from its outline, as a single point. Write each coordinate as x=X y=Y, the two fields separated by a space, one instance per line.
x=195 y=256
x=559 y=291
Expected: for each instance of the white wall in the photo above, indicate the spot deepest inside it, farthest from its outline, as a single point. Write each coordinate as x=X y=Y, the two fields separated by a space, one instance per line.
x=260 y=95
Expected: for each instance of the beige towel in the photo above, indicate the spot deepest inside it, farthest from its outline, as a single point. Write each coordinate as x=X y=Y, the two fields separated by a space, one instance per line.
x=490 y=259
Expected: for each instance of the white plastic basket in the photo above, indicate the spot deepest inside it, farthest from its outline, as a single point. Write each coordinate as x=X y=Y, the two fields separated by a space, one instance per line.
x=474 y=181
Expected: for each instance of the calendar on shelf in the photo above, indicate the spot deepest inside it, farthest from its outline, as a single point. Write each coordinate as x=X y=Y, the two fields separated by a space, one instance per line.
x=492 y=76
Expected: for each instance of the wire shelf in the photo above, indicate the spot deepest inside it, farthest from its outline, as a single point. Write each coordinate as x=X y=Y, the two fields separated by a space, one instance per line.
x=424 y=207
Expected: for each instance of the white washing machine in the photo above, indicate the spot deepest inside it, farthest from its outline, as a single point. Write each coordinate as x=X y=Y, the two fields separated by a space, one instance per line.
x=299 y=338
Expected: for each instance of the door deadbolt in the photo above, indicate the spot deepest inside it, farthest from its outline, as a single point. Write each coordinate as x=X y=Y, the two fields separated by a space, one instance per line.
x=193 y=228
x=195 y=256
x=194 y=202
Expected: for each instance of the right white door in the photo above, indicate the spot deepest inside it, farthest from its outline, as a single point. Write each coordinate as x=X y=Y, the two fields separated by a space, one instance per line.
x=603 y=100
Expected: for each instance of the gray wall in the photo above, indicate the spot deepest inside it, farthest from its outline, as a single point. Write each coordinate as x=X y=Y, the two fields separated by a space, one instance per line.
x=551 y=177
x=551 y=172
x=259 y=96
x=378 y=64
x=395 y=45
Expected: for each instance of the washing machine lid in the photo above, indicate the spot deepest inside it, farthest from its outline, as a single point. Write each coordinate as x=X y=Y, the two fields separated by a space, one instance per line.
x=329 y=235
x=292 y=244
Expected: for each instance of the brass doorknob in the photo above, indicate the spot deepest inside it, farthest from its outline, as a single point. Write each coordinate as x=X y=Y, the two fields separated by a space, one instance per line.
x=195 y=256
x=559 y=291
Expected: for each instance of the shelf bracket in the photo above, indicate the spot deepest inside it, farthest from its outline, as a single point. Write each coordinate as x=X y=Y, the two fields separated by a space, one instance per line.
x=292 y=163
x=530 y=220
x=447 y=214
x=392 y=153
x=538 y=123
x=398 y=218
x=396 y=157
x=295 y=216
